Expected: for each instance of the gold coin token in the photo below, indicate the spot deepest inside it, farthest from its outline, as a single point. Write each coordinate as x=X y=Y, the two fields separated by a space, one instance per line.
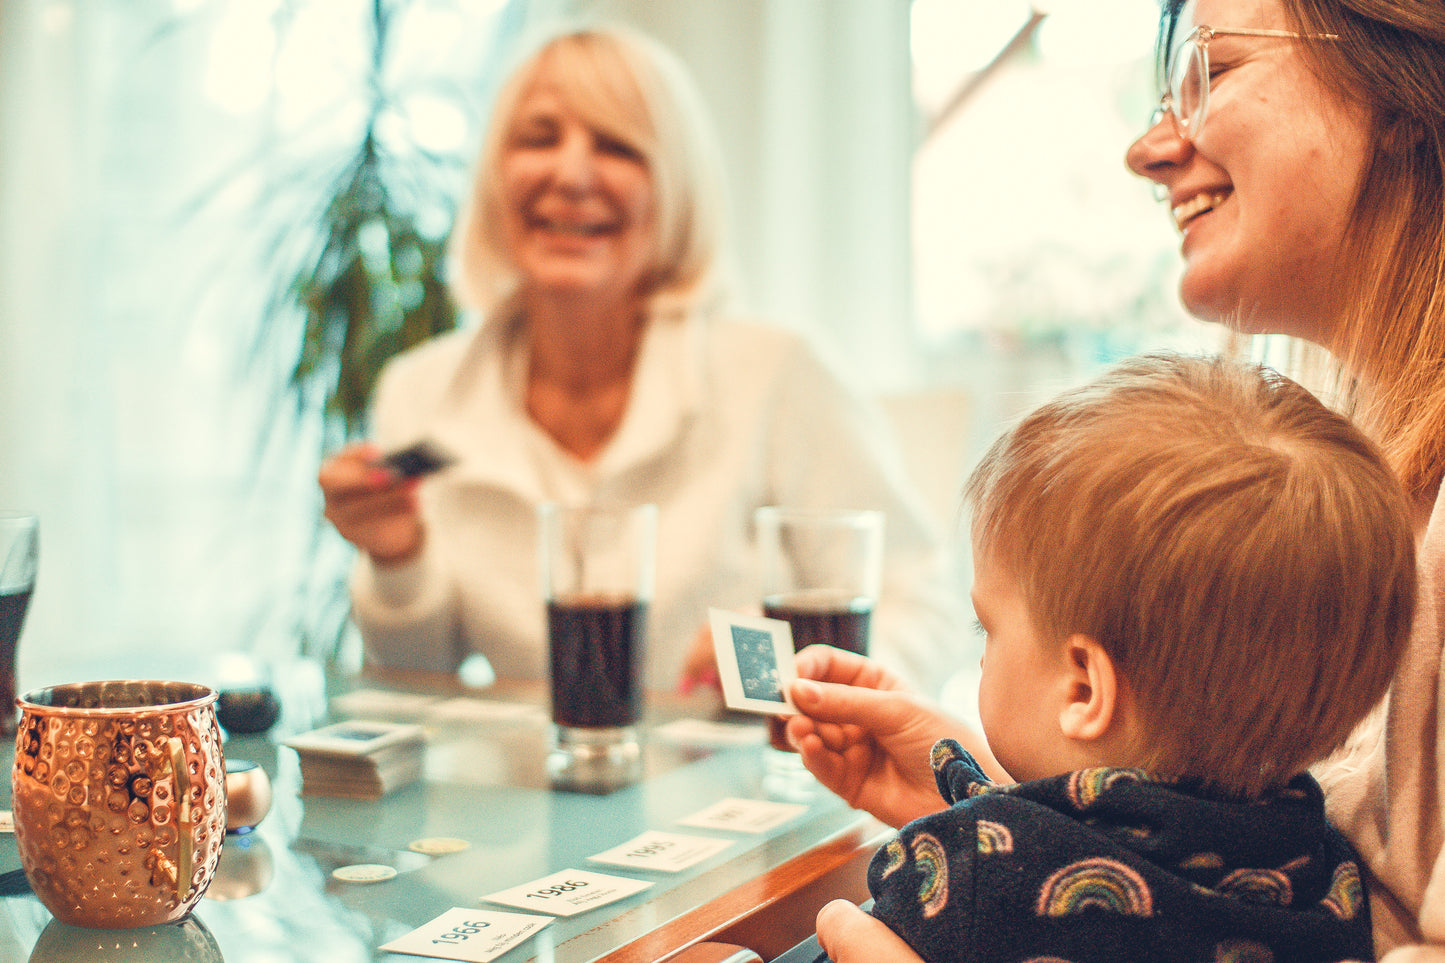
x=364 y=873
x=438 y=845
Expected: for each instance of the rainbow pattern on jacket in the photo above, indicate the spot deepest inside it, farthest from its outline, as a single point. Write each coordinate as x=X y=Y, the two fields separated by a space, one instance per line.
x=1098 y=884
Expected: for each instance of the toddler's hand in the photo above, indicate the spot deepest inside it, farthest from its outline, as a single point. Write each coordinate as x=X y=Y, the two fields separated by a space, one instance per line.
x=849 y=935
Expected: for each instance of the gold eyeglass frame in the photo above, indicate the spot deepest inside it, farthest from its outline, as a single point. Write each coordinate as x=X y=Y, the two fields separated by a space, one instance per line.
x=1193 y=52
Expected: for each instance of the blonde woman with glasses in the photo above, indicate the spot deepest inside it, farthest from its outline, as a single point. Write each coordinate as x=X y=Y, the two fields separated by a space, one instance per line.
x=1301 y=147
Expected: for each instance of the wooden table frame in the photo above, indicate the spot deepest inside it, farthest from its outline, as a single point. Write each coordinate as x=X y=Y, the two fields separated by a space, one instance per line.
x=775 y=910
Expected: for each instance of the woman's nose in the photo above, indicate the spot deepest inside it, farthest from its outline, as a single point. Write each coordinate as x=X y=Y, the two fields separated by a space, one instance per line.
x=576 y=162
x=1158 y=150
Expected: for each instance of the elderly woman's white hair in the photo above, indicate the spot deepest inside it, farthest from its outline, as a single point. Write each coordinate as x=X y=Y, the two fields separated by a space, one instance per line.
x=631 y=88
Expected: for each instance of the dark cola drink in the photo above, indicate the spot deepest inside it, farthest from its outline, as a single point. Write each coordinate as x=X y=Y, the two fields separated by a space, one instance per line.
x=823 y=618
x=826 y=618
x=596 y=644
x=12 y=617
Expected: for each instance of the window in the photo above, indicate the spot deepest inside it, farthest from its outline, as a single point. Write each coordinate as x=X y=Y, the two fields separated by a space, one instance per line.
x=1037 y=255
x=157 y=155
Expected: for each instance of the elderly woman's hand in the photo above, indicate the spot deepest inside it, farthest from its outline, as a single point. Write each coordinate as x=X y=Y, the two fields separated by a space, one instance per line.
x=370 y=507
x=699 y=669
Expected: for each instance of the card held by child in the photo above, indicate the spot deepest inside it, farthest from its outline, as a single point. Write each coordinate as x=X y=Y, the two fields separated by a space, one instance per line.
x=754 y=661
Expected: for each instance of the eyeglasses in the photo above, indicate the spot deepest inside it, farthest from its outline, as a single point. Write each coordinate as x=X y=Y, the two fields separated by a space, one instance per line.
x=1186 y=80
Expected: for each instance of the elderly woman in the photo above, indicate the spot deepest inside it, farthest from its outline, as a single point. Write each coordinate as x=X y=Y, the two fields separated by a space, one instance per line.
x=602 y=370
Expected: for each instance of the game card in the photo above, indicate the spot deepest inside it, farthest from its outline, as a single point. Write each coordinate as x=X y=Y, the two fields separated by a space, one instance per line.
x=464 y=709
x=359 y=737
x=426 y=457
x=706 y=732
x=471 y=935
x=569 y=892
x=744 y=815
x=665 y=852
x=371 y=703
x=754 y=661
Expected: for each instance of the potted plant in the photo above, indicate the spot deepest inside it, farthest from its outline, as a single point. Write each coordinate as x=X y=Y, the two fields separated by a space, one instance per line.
x=366 y=279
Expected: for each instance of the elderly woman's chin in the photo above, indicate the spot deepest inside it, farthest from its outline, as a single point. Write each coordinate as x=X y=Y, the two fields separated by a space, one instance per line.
x=593 y=265
x=578 y=278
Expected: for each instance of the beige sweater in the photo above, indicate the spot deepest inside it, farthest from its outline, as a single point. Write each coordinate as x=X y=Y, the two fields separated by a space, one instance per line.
x=1385 y=790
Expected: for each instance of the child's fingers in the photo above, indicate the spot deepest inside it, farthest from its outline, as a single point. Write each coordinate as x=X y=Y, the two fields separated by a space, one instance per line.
x=849 y=935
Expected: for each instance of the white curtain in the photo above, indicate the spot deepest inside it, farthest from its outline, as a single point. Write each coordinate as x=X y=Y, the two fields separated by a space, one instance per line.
x=812 y=100
x=57 y=394
x=145 y=150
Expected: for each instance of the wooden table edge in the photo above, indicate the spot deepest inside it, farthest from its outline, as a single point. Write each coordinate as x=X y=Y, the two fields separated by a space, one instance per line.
x=775 y=910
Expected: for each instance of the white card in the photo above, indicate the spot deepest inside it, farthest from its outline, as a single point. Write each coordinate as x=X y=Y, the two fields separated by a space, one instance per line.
x=665 y=852
x=569 y=892
x=464 y=710
x=359 y=737
x=379 y=702
x=7 y=821
x=754 y=661
x=706 y=732
x=745 y=815
x=472 y=935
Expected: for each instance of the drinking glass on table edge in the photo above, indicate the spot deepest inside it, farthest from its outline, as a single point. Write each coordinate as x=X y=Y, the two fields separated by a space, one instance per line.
x=597 y=565
x=820 y=572
x=19 y=559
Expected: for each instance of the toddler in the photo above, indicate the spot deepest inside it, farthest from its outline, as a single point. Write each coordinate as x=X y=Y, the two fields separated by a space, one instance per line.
x=1195 y=580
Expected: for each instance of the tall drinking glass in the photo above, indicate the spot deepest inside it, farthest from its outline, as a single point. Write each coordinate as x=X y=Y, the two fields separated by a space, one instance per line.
x=597 y=577
x=19 y=558
x=821 y=570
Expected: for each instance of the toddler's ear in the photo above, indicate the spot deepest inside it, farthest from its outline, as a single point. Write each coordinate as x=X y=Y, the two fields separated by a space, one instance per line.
x=1092 y=693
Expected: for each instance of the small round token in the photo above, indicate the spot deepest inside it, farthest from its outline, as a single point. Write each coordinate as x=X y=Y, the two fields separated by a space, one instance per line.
x=438 y=845
x=363 y=873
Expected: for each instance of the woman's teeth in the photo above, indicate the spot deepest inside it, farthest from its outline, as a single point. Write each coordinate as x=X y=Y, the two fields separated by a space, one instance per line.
x=1195 y=206
x=577 y=230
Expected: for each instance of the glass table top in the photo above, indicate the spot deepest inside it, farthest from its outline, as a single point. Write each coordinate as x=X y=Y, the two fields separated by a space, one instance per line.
x=274 y=899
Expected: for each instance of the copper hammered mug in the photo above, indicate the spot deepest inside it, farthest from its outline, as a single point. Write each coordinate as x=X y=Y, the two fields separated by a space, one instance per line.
x=119 y=796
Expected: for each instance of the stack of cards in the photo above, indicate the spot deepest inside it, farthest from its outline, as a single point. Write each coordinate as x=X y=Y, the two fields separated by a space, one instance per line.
x=359 y=760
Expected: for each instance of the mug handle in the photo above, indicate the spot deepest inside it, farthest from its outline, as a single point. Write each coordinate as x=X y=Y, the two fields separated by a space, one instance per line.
x=185 y=845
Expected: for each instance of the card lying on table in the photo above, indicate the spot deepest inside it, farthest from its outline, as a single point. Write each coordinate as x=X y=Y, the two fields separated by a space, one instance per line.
x=470 y=935
x=569 y=892
x=744 y=815
x=359 y=759
x=665 y=852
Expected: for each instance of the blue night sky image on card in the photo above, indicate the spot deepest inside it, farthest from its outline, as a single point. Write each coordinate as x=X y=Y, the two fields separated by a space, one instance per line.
x=757 y=664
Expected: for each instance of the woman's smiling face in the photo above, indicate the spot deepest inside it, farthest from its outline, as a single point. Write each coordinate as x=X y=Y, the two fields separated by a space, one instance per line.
x=1262 y=196
x=577 y=202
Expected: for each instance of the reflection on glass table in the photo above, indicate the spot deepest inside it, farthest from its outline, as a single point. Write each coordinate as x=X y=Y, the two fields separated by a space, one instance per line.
x=485 y=783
